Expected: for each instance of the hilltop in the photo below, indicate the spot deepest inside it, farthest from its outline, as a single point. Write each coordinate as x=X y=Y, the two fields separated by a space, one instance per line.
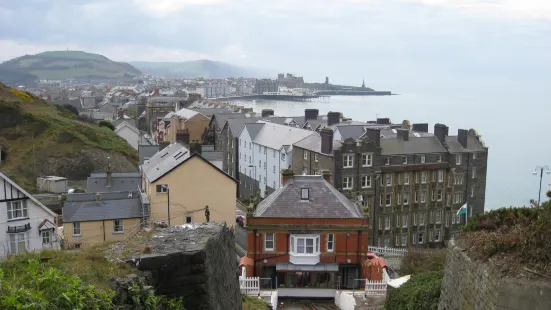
x=207 y=69
x=38 y=138
x=65 y=65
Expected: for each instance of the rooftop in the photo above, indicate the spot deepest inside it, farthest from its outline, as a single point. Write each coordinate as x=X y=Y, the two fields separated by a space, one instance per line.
x=85 y=207
x=324 y=201
x=313 y=143
x=165 y=160
x=128 y=181
x=275 y=136
x=415 y=145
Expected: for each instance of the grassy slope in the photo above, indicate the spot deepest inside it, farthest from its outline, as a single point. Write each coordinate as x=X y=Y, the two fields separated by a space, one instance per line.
x=69 y=64
x=56 y=133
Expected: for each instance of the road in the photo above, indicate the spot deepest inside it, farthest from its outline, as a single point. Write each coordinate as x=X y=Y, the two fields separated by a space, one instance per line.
x=240 y=241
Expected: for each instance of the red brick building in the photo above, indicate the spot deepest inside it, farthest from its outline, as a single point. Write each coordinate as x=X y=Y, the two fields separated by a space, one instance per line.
x=307 y=235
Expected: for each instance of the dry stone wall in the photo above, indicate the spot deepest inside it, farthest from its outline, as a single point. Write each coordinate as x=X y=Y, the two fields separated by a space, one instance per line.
x=473 y=285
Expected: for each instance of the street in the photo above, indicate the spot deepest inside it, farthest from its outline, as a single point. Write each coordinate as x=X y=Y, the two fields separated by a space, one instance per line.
x=240 y=240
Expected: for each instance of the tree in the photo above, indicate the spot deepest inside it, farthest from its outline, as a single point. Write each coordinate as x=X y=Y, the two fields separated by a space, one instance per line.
x=71 y=108
x=106 y=124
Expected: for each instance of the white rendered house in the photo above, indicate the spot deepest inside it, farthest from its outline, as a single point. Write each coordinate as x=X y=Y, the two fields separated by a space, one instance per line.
x=25 y=223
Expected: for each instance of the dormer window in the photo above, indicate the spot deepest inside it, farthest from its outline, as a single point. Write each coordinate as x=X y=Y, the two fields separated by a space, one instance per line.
x=304 y=194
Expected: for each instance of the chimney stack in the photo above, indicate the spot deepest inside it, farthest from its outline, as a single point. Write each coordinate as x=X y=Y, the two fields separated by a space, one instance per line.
x=267 y=112
x=383 y=121
x=462 y=137
x=374 y=135
x=195 y=147
x=333 y=118
x=441 y=132
x=326 y=176
x=326 y=140
x=286 y=175
x=182 y=136
x=311 y=114
x=424 y=127
x=403 y=134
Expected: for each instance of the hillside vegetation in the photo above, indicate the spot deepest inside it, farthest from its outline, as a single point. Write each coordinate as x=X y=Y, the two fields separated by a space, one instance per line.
x=38 y=138
x=65 y=65
x=207 y=69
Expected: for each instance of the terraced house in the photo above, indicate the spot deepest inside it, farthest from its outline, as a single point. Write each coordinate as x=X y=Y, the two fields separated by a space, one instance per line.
x=412 y=181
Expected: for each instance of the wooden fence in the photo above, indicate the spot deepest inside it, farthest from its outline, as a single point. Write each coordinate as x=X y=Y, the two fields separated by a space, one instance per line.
x=250 y=286
x=373 y=287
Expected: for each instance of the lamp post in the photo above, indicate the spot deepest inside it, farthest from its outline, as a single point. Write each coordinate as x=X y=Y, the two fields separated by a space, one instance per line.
x=168 y=201
x=540 y=168
x=253 y=166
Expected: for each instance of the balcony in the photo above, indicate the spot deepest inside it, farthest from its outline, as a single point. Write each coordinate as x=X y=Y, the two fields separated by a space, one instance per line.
x=19 y=229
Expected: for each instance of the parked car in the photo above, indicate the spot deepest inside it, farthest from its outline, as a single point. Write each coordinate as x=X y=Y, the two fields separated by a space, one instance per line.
x=240 y=218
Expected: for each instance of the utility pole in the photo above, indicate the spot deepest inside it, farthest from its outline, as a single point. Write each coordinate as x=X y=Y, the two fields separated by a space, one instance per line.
x=540 y=168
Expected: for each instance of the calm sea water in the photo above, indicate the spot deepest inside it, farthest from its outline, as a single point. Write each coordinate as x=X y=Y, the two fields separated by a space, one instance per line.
x=513 y=122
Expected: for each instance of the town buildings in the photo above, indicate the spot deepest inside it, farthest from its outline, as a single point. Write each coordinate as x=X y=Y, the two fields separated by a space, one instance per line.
x=183 y=187
x=412 y=181
x=129 y=133
x=265 y=85
x=307 y=235
x=25 y=223
x=194 y=124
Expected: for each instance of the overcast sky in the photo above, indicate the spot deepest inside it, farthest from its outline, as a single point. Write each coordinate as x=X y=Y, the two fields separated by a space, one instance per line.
x=344 y=39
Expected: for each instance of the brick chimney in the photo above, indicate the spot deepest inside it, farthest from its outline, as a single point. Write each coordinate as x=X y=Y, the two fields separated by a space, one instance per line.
x=462 y=137
x=286 y=175
x=441 y=132
x=403 y=134
x=311 y=114
x=267 y=112
x=424 y=127
x=333 y=118
x=326 y=176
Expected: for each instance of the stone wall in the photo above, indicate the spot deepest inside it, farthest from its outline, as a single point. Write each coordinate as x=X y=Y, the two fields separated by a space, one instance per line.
x=196 y=262
x=475 y=285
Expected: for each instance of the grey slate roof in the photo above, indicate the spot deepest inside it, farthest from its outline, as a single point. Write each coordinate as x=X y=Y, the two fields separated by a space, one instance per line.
x=236 y=124
x=313 y=143
x=211 y=111
x=254 y=129
x=393 y=133
x=164 y=161
x=350 y=131
x=97 y=182
x=220 y=119
x=414 y=145
x=473 y=145
x=84 y=207
x=275 y=136
x=325 y=201
x=146 y=151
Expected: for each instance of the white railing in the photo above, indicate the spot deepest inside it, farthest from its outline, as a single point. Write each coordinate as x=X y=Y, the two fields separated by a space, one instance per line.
x=373 y=287
x=385 y=251
x=250 y=286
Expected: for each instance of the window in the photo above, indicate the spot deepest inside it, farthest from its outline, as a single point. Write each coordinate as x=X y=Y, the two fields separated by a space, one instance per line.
x=416 y=177
x=431 y=233
x=188 y=219
x=414 y=238
x=453 y=218
x=387 y=161
x=250 y=147
x=420 y=237
x=347 y=183
x=423 y=196
x=406 y=178
x=458 y=179
x=17 y=243
x=274 y=169
x=404 y=239
x=438 y=214
x=330 y=242
x=367 y=160
x=389 y=179
x=433 y=176
x=406 y=198
x=421 y=218
x=439 y=158
x=45 y=236
x=366 y=181
x=439 y=195
x=282 y=156
x=458 y=198
x=316 y=157
x=260 y=148
x=416 y=196
x=380 y=223
x=424 y=177
x=474 y=155
x=397 y=240
x=458 y=159
x=440 y=176
x=264 y=150
x=397 y=220
x=273 y=153
x=76 y=229
x=431 y=216
x=474 y=172
x=447 y=215
x=260 y=163
x=269 y=242
x=304 y=194
x=17 y=209
x=388 y=199
x=264 y=165
x=422 y=159
x=305 y=154
x=387 y=222
x=162 y=188
x=472 y=190
x=387 y=241
x=405 y=160
x=404 y=220
x=117 y=226
x=348 y=161
x=437 y=235
x=306 y=245
x=398 y=198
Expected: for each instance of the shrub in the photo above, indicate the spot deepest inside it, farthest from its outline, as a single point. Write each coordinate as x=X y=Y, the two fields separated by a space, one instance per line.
x=107 y=124
x=415 y=262
x=71 y=108
x=421 y=292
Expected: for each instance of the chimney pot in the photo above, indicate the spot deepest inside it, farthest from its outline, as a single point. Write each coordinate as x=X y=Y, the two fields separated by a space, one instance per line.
x=311 y=114
x=326 y=140
x=326 y=176
x=286 y=175
x=441 y=132
x=333 y=118
x=462 y=137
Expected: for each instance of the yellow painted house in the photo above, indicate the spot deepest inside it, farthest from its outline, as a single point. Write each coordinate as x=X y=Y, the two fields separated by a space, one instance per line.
x=183 y=187
x=96 y=218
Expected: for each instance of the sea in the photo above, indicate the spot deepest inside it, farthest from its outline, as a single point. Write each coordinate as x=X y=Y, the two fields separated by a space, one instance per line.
x=513 y=122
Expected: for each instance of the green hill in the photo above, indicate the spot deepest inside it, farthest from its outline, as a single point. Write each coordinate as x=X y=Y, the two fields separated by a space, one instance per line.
x=67 y=65
x=38 y=138
x=207 y=69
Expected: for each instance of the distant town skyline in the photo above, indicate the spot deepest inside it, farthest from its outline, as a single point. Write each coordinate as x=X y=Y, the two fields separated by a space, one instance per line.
x=412 y=39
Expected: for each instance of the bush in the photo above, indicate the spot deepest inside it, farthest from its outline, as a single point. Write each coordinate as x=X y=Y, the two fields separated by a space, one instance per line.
x=107 y=124
x=416 y=262
x=421 y=292
x=71 y=108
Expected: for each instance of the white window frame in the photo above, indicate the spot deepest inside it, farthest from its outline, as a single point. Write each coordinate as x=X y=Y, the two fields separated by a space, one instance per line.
x=406 y=198
x=420 y=237
x=398 y=198
x=439 y=158
x=406 y=178
x=440 y=175
x=423 y=159
x=348 y=181
x=473 y=172
x=416 y=197
x=472 y=190
x=404 y=239
x=439 y=195
x=46 y=237
x=366 y=181
x=282 y=156
x=118 y=226
x=405 y=160
x=387 y=222
x=387 y=161
x=438 y=216
x=423 y=177
x=458 y=159
x=316 y=157
x=348 y=161
x=266 y=240
x=474 y=155
x=15 y=207
x=330 y=246
x=295 y=240
x=76 y=229
x=422 y=218
x=388 y=178
x=18 y=242
x=367 y=160
x=423 y=196
x=305 y=154
x=304 y=194
x=388 y=200
x=405 y=219
x=437 y=235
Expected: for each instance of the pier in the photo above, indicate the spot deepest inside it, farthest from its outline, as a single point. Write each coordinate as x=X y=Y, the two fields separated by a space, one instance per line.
x=274 y=97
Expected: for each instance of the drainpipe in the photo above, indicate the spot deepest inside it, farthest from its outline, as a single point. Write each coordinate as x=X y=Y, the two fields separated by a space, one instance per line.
x=103 y=223
x=254 y=260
